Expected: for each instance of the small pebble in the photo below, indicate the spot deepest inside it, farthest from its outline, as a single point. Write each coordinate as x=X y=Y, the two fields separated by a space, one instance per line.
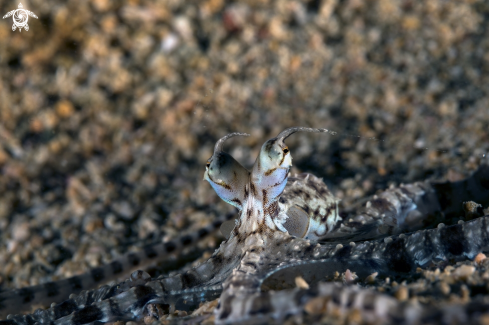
x=463 y=272
x=301 y=283
x=388 y=240
x=402 y=293
x=349 y=277
x=316 y=306
x=480 y=258
x=371 y=278
x=444 y=288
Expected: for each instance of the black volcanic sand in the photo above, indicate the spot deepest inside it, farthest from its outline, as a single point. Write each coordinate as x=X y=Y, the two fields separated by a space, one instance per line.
x=109 y=111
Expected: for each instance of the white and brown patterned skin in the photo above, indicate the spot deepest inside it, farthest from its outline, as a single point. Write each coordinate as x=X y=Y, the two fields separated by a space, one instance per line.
x=260 y=252
x=311 y=209
x=256 y=193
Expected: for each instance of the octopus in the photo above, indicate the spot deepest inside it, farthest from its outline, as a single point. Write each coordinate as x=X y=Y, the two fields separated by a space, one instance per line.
x=288 y=237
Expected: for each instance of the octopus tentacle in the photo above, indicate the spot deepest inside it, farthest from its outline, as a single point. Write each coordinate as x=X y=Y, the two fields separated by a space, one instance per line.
x=128 y=300
x=199 y=284
x=390 y=256
x=261 y=254
x=17 y=300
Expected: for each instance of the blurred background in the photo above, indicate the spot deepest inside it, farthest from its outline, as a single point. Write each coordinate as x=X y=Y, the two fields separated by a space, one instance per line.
x=110 y=109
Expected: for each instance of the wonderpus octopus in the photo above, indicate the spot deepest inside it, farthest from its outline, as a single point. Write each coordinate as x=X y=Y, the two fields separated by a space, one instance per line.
x=289 y=229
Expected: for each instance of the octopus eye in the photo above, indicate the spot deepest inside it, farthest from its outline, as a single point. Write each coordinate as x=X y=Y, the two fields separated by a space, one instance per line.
x=226 y=176
x=285 y=150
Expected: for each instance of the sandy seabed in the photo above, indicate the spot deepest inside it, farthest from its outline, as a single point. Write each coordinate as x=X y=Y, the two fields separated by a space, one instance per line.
x=110 y=109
